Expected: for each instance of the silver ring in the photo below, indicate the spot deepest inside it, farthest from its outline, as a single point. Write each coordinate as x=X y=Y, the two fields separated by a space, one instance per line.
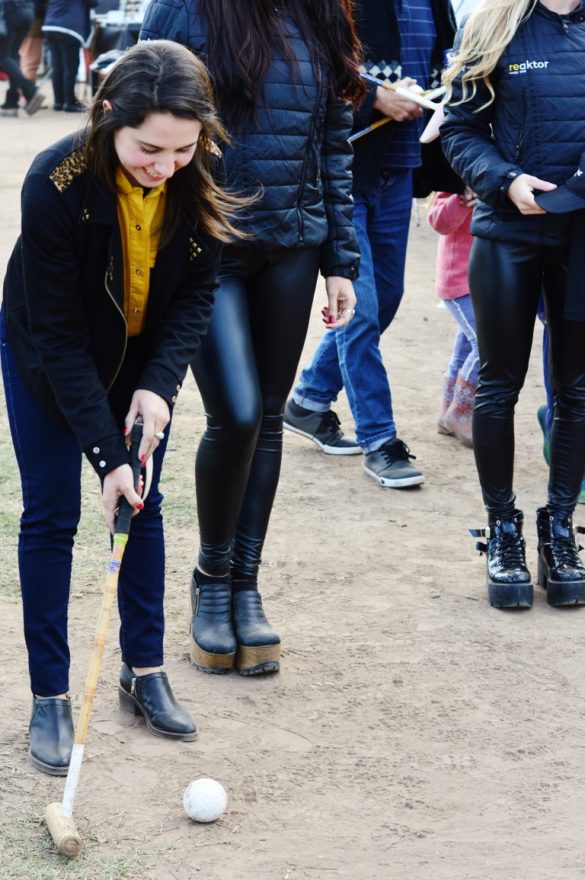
x=351 y=312
x=160 y=435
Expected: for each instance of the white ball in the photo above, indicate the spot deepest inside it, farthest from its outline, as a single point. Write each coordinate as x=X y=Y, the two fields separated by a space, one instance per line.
x=205 y=800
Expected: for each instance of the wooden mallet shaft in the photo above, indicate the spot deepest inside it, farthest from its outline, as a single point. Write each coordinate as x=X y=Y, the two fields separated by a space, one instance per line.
x=59 y=816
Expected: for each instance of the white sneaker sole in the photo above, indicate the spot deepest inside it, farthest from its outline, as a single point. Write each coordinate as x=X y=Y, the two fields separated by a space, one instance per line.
x=330 y=450
x=389 y=483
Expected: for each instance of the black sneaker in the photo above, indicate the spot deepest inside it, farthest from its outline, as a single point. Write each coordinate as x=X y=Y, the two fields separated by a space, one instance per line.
x=74 y=108
x=8 y=109
x=390 y=466
x=322 y=428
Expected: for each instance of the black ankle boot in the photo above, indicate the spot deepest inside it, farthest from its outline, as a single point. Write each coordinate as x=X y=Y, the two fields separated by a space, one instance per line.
x=258 y=644
x=213 y=643
x=51 y=735
x=151 y=696
x=560 y=571
x=508 y=579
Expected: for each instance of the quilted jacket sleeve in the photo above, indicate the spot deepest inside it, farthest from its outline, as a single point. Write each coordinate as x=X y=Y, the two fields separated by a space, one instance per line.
x=175 y=20
x=340 y=253
x=466 y=137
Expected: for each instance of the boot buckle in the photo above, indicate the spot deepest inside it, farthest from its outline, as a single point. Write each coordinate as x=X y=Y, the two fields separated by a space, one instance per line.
x=481 y=533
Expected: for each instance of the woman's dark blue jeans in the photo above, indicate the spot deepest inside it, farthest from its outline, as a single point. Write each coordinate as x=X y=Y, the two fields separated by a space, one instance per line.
x=49 y=460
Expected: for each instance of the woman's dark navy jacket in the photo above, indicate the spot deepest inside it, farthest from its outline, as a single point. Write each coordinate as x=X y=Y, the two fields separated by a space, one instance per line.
x=297 y=153
x=69 y=17
x=64 y=299
x=536 y=125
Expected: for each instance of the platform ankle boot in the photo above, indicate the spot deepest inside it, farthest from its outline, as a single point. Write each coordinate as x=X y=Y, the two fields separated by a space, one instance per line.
x=508 y=579
x=258 y=644
x=213 y=642
x=560 y=571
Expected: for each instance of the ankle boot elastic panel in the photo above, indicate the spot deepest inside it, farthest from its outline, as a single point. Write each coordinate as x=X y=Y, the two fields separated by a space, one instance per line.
x=508 y=579
x=258 y=644
x=51 y=735
x=560 y=571
x=213 y=643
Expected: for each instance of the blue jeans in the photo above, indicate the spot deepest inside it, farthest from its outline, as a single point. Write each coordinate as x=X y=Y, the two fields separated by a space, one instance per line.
x=19 y=17
x=350 y=356
x=465 y=356
x=49 y=460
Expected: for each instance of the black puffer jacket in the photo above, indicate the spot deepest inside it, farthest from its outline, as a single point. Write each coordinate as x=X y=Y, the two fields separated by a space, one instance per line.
x=297 y=153
x=535 y=126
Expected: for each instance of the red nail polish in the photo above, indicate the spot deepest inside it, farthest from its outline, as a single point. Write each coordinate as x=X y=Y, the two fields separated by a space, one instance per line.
x=125 y=430
x=140 y=505
x=331 y=319
x=142 y=458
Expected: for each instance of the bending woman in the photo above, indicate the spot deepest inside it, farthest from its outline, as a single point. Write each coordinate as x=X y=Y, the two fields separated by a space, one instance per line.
x=284 y=74
x=108 y=293
x=515 y=125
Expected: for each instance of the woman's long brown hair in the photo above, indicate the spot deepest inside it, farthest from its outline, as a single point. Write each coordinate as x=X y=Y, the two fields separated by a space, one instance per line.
x=242 y=34
x=163 y=77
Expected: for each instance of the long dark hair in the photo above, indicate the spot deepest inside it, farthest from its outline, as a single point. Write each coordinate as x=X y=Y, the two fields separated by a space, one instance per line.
x=242 y=34
x=163 y=77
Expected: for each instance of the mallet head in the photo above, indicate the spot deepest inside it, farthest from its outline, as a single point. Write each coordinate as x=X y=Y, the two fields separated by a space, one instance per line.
x=64 y=831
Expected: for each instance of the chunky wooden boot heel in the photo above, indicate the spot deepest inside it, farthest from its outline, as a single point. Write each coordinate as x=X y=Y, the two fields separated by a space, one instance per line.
x=258 y=644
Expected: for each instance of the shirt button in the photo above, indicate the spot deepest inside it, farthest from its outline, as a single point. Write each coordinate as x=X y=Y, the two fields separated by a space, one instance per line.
x=138 y=227
x=96 y=450
x=174 y=398
x=102 y=463
x=139 y=271
x=178 y=387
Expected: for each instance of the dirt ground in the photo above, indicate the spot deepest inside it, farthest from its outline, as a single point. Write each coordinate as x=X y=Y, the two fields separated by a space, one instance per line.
x=413 y=732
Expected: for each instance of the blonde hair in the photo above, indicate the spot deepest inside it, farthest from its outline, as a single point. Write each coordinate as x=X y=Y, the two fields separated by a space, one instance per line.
x=487 y=32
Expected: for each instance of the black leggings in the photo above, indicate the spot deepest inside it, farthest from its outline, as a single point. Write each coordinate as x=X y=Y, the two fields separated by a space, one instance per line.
x=245 y=369
x=506 y=279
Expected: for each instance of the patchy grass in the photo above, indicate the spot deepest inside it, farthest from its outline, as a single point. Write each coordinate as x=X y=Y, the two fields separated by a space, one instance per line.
x=27 y=851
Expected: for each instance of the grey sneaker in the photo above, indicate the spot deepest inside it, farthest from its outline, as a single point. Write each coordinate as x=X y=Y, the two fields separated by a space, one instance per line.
x=390 y=466
x=35 y=103
x=322 y=428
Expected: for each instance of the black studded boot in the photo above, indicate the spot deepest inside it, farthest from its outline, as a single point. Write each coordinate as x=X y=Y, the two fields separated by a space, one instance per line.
x=213 y=642
x=258 y=644
x=508 y=579
x=560 y=571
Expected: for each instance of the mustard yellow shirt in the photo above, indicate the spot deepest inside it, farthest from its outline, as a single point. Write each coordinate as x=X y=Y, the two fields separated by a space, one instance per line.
x=140 y=217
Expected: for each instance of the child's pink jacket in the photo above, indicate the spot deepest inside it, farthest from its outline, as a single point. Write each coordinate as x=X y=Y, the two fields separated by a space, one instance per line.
x=452 y=220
